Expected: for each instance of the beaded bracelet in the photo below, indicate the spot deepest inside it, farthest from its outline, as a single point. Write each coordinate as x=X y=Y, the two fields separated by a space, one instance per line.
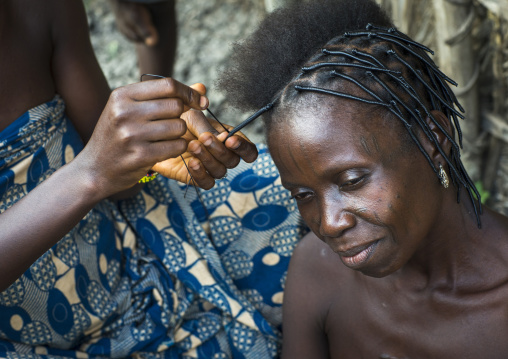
x=150 y=176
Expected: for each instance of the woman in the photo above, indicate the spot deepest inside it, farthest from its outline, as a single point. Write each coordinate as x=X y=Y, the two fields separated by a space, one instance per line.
x=159 y=273
x=362 y=127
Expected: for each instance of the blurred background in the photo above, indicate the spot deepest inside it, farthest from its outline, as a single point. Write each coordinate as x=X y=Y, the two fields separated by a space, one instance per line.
x=470 y=38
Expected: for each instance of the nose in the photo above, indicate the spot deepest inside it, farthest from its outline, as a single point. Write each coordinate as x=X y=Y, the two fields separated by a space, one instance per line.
x=335 y=220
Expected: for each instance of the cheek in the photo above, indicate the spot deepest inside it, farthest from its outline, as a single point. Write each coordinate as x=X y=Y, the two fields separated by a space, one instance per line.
x=402 y=206
x=310 y=215
x=385 y=202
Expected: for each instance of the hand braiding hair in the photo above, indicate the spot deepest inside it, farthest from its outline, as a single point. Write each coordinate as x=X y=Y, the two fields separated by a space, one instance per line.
x=382 y=67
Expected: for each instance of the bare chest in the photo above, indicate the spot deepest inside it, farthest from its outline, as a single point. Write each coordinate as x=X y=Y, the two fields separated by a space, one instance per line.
x=402 y=326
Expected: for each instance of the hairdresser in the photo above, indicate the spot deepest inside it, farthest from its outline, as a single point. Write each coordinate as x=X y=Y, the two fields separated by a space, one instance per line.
x=87 y=276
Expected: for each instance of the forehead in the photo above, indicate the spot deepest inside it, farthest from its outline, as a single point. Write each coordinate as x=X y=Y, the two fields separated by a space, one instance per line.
x=316 y=117
x=322 y=129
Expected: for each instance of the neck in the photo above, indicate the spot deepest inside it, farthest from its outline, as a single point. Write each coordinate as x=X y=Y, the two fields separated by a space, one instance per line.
x=457 y=255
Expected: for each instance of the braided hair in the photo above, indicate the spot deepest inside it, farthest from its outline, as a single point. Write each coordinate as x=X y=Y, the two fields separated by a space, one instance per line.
x=372 y=64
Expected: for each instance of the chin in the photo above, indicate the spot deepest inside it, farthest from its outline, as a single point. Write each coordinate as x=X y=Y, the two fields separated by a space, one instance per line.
x=374 y=273
x=379 y=270
x=379 y=263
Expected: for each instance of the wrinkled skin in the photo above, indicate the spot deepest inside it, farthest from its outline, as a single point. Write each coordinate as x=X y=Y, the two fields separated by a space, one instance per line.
x=394 y=268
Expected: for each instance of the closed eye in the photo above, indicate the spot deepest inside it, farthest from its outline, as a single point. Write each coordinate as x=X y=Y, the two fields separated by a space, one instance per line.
x=352 y=183
x=302 y=196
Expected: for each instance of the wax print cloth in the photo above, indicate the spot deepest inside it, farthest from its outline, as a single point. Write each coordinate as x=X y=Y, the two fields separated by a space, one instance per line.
x=154 y=276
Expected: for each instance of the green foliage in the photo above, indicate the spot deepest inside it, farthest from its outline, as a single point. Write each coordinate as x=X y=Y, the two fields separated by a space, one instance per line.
x=483 y=193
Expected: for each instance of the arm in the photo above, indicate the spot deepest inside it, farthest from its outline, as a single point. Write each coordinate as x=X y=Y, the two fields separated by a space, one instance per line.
x=77 y=75
x=80 y=81
x=125 y=145
x=139 y=126
x=305 y=304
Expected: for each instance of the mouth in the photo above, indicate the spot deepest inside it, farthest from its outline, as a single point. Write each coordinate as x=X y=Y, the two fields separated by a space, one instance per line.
x=358 y=255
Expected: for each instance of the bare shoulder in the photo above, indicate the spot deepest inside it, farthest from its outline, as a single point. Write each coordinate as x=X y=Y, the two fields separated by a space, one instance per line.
x=76 y=73
x=31 y=32
x=315 y=278
x=315 y=262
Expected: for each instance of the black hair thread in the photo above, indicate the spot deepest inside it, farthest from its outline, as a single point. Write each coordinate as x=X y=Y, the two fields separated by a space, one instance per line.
x=364 y=54
x=341 y=94
x=414 y=53
x=391 y=52
x=347 y=54
x=250 y=119
x=347 y=64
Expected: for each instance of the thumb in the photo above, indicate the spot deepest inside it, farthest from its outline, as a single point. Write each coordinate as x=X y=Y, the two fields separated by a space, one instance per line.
x=199 y=87
x=197 y=123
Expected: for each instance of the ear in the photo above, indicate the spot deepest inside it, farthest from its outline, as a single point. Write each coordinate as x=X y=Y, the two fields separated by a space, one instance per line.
x=441 y=129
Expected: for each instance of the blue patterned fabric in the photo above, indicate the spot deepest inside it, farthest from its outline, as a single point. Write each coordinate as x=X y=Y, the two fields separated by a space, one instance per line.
x=154 y=276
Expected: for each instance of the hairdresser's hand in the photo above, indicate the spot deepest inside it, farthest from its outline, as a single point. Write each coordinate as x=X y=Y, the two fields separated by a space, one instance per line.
x=134 y=21
x=207 y=157
x=139 y=127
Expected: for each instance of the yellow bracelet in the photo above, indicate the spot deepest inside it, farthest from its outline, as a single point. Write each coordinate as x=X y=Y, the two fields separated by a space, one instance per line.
x=150 y=176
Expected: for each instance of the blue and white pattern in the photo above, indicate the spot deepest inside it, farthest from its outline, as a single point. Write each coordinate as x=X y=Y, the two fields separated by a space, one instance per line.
x=153 y=276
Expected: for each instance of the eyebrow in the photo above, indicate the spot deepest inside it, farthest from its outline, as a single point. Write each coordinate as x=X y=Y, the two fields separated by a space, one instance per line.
x=286 y=184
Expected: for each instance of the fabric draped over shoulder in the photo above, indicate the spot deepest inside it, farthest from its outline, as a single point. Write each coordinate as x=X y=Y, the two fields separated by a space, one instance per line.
x=154 y=276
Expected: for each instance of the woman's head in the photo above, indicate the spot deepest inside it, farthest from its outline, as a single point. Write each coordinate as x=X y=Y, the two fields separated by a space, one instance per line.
x=354 y=183
x=330 y=78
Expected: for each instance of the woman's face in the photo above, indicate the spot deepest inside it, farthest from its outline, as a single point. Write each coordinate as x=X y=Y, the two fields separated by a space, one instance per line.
x=362 y=190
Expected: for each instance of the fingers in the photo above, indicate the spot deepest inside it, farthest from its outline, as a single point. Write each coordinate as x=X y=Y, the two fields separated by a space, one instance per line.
x=167 y=88
x=163 y=130
x=159 y=109
x=215 y=168
x=199 y=87
x=214 y=156
x=217 y=149
x=197 y=123
x=200 y=176
x=163 y=150
x=237 y=143
x=149 y=124
x=241 y=146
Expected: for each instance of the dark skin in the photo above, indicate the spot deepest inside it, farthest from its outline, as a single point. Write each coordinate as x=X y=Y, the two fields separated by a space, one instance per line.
x=141 y=126
x=153 y=28
x=394 y=268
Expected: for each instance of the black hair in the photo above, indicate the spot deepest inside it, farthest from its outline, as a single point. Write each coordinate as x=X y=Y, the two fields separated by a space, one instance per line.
x=331 y=47
x=264 y=63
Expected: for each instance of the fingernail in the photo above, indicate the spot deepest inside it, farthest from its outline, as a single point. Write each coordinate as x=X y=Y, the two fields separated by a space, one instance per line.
x=194 y=166
x=235 y=144
x=222 y=136
x=208 y=142
x=203 y=102
x=196 y=148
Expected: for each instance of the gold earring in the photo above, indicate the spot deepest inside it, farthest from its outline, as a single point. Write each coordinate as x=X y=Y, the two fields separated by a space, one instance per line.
x=443 y=177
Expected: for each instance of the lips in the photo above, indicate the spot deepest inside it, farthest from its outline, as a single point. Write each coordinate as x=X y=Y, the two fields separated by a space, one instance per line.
x=355 y=250
x=357 y=255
